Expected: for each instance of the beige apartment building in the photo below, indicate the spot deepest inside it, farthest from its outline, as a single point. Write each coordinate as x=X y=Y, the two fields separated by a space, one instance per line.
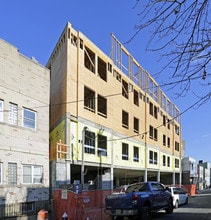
x=24 y=133
x=110 y=123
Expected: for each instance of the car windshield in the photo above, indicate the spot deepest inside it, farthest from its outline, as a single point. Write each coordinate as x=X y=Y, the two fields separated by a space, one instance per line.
x=141 y=187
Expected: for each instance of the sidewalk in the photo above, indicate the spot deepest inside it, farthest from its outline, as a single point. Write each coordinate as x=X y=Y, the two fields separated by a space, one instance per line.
x=203 y=192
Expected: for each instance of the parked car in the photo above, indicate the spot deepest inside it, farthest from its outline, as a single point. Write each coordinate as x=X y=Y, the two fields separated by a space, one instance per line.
x=180 y=196
x=139 y=199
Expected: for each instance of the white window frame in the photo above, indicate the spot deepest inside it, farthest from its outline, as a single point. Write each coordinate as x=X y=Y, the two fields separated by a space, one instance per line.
x=1 y=110
x=13 y=113
x=29 y=122
x=32 y=174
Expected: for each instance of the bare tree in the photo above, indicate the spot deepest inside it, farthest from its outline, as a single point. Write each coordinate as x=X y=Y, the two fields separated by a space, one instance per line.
x=181 y=31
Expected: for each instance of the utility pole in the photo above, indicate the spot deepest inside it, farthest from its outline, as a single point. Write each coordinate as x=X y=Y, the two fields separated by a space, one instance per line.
x=82 y=158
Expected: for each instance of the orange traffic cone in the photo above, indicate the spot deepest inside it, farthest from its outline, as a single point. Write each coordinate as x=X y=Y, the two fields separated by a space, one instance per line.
x=42 y=215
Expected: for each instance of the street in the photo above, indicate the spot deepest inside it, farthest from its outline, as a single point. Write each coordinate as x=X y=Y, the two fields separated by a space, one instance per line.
x=199 y=207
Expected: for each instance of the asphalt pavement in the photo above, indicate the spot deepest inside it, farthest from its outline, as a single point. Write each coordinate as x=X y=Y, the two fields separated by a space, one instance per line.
x=198 y=208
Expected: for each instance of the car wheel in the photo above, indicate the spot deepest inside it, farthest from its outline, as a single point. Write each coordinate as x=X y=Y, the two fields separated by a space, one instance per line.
x=176 y=204
x=170 y=208
x=146 y=213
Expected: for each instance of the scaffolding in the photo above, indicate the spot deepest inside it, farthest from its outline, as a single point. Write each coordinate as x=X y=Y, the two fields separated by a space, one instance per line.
x=132 y=69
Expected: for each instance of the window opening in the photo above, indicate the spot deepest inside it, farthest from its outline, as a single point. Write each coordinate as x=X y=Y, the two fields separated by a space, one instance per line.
x=32 y=174
x=136 y=125
x=153 y=133
x=125 y=120
x=125 y=89
x=168 y=142
x=29 y=118
x=135 y=97
x=102 y=106
x=125 y=151
x=164 y=160
x=135 y=154
x=117 y=76
x=176 y=163
x=89 y=145
x=102 y=145
x=89 y=59
x=164 y=140
x=176 y=146
x=102 y=69
x=153 y=157
x=89 y=99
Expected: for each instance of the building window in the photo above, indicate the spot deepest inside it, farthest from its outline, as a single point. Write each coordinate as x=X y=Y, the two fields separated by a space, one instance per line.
x=177 y=129
x=135 y=97
x=136 y=125
x=176 y=163
x=73 y=40
x=117 y=76
x=1 y=110
x=29 y=118
x=164 y=120
x=125 y=119
x=89 y=59
x=153 y=110
x=102 y=69
x=89 y=145
x=102 y=106
x=135 y=154
x=125 y=89
x=12 y=173
x=164 y=140
x=109 y=67
x=13 y=114
x=125 y=155
x=1 y=173
x=153 y=133
x=32 y=174
x=153 y=157
x=102 y=145
x=168 y=125
x=164 y=160
x=81 y=44
x=168 y=142
x=89 y=99
x=168 y=161
x=176 y=146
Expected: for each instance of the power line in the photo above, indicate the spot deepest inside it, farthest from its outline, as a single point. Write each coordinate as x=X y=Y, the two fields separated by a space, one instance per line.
x=107 y=96
x=201 y=100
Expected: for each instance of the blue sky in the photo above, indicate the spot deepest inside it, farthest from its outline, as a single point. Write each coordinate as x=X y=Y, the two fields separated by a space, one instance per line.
x=35 y=26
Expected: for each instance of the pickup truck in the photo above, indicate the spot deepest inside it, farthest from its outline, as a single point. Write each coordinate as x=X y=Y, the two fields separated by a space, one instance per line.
x=140 y=200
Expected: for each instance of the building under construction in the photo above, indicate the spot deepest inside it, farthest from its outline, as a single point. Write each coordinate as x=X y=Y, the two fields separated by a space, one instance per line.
x=110 y=123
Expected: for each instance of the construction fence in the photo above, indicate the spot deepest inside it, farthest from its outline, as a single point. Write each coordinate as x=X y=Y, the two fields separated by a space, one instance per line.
x=89 y=205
